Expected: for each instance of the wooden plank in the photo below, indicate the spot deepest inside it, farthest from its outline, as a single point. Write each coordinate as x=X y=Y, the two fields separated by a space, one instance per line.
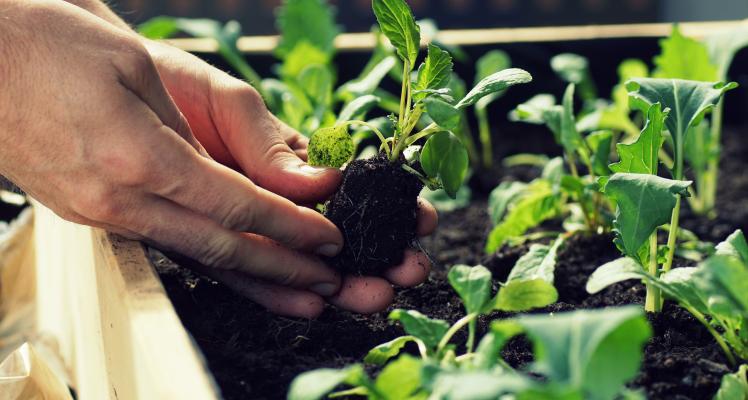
x=471 y=37
x=119 y=335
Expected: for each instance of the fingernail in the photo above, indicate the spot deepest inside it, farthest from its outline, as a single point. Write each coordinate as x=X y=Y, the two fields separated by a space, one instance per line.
x=324 y=289
x=307 y=169
x=328 y=250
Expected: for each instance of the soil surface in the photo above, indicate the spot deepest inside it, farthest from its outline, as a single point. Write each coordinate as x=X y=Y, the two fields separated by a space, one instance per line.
x=255 y=355
x=377 y=203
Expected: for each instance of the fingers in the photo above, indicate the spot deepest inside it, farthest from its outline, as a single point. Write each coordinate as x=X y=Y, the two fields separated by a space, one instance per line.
x=413 y=271
x=177 y=229
x=428 y=218
x=364 y=295
x=234 y=202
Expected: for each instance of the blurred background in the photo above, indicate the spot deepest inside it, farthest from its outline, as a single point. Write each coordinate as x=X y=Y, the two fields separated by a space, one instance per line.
x=256 y=16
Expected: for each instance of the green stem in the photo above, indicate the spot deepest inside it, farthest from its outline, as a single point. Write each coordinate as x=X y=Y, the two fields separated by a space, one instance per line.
x=472 y=326
x=717 y=337
x=403 y=93
x=453 y=330
x=484 y=132
x=374 y=129
x=672 y=236
x=712 y=169
x=429 y=130
x=653 y=302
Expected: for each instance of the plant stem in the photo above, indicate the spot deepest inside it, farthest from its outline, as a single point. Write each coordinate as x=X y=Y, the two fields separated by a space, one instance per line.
x=374 y=129
x=672 y=236
x=453 y=330
x=712 y=169
x=653 y=302
x=431 y=129
x=472 y=326
x=720 y=340
x=403 y=94
x=484 y=132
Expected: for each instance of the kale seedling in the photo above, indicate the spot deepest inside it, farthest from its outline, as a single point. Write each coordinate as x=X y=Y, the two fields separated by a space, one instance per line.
x=375 y=208
x=604 y=355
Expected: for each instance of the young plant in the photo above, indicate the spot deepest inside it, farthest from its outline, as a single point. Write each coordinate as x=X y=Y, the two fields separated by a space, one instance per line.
x=492 y=62
x=715 y=292
x=612 y=338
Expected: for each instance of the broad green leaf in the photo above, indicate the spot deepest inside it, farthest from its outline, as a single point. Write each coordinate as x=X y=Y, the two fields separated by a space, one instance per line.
x=538 y=263
x=382 y=353
x=473 y=285
x=724 y=284
x=312 y=21
x=303 y=55
x=538 y=204
x=596 y=351
x=699 y=147
x=400 y=379
x=430 y=331
x=618 y=270
x=684 y=58
x=571 y=140
x=678 y=285
x=735 y=246
x=357 y=109
x=368 y=83
x=434 y=73
x=533 y=110
x=160 y=27
x=688 y=101
x=316 y=81
x=524 y=295
x=491 y=63
x=476 y=385
x=314 y=385
x=644 y=203
x=734 y=386
x=443 y=113
x=724 y=45
x=397 y=23
x=497 y=82
x=444 y=158
x=600 y=144
x=572 y=68
x=331 y=147
x=501 y=197
x=642 y=156
x=487 y=354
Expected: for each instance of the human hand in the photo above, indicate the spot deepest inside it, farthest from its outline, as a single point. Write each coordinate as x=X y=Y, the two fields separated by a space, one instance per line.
x=230 y=120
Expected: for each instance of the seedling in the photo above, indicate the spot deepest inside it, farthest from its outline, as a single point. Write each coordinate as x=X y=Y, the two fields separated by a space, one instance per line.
x=610 y=337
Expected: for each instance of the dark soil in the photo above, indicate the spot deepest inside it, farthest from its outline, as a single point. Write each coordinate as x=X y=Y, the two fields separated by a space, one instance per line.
x=255 y=355
x=375 y=209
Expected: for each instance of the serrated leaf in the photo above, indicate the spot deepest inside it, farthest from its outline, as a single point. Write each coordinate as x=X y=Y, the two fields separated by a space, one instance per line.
x=401 y=378
x=303 y=55
x=314 y=385
x=358 y=108
x=684 y=58
x=642 y=156
x=501 y=197
x=688 y=101
x=397 y=23
x=430 y=331
x=644 y=203
x=473 y=285
x=331 y=147
x=618 y=270
x=537 y=205
x=434 y=73
x=442 y=113
x=444 y=158
x=594 y=351
x=385 y=351
x=734 y=246
x=312 y=21
x=494 y=83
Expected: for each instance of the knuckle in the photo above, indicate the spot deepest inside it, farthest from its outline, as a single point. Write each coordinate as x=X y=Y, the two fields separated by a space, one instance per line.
x=222 y=254
x=99 y=204
x=240 y=216
x=134 y=62
x=288 y=276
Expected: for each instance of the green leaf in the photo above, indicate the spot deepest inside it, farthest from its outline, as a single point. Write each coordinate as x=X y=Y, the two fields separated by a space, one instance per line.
x=312 y=21
x=358 y=108
x=382 y=353
x=596 y=351
x=618 y=270
x=331 y=147
x=530 y=283
x=444 y=158
x=434 y=73
x=724 y=45
x=491 y=63
x=314 y=385
x=538 y=204
x=644 y=203
x=400 y=378
x=688 y=101
x=487 y=354
x=430 y=331
x=443 y=203
x=473 y=285
x=734 y=386
x=678 y=285
x=571 y=140
x=443 y=113
x=533 y=111
x=642 y=156
x=600 y=143
x=501 y=197
x=368 y=83
x=735 y=246
x=475 y=385
x=160 y=27
x=397 y=23
x=724 y=284
x=497 y=82
x=684 y=58
x=572 y=68
x=316 y=81
x=303 y=55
